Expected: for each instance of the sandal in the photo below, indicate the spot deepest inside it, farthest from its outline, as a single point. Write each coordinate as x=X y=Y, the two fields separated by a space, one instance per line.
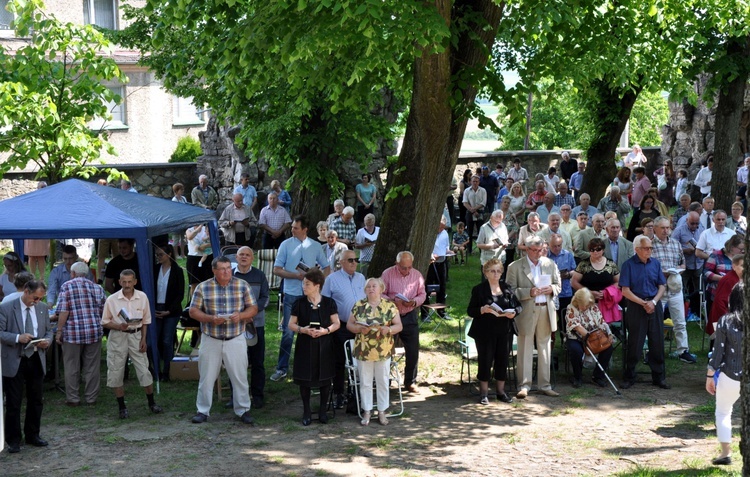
x=382 y=419
x=365 y=418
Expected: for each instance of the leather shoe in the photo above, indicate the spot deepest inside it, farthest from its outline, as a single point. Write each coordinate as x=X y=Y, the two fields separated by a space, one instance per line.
x=155 y=408
x=14 y=448
x=323 y=417
x=722 y=460
x=549 y=392
x=504 y=398
x=522 y=393
x=576 y=382
x=257 y=402
x=339 y=404
x=230 y=405
x=627 y=384
x=306 y=420
x=662 y=384
x=72 y=403
x=124 y=414
x=601 y=382
x=37 y=442
x=412 y=388
x=247 y=418
x=199 y=418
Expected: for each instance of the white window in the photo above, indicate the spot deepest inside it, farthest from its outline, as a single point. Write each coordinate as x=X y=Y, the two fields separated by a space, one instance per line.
x=101 y=13
x=6 y=18
x=119 y=118
x=184 y=112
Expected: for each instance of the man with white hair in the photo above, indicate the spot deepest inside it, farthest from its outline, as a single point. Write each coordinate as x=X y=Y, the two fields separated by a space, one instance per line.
x=533 y=227
x=238 y=222
x=554 y=228
x=126 y=185
x=616 y=247
x=585 y=201
x=567 y=222
x=203 y=195
x=563 y=197
x=338 y=209
x=682 y=209
x=668 y=252
x=615 y=203
x=643 y=284
x=548 y=207
x=345 y=227
x=581 y=242
x=536 y=282
x=493 y=238
x=687 y=235
x=274 y=221
x=714 y=238
x=333 y=250
x=567 y=166
x=79 y=331
x=405 y=287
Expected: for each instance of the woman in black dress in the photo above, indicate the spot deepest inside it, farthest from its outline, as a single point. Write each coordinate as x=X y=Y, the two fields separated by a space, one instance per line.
x=491 y=328
x=647 y=210
x=314 y=318
x=596 y=272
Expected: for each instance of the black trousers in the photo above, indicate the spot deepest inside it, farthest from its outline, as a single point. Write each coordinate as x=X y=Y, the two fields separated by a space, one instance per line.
x=341 y=336
x=640 y=324
x=410 y=338
x=575 y=348
x=437 y=274
x=270 y=242
x=31 y=376
x=493 y=349
x=256 y=356
x=471 y=223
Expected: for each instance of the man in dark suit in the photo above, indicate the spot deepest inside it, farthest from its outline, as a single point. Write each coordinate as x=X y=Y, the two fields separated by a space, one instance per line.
x=21 y=321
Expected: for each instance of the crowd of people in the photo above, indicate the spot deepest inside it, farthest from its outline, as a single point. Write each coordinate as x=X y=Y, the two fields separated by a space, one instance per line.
x=550 y=260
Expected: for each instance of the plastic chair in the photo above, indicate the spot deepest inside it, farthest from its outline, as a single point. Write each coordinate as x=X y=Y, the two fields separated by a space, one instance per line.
x=468 y=350
x=352 y=373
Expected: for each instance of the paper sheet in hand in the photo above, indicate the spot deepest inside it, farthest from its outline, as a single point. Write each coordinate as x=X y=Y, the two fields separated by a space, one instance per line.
x=543 y=281
x=497 y=308
x=402 y=297
x=33 y=343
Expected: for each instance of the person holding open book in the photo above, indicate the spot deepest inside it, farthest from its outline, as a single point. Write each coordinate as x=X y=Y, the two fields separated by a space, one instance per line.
x=374 y=321
x=493 y=307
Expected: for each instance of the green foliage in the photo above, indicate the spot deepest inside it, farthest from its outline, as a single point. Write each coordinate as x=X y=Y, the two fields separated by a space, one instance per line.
x=559 y=120
x=188 y=149
x=303 y=79
x=50 y=88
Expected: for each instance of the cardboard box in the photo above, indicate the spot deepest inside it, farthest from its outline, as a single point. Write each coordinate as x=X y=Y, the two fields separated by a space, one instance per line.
x=184 y=369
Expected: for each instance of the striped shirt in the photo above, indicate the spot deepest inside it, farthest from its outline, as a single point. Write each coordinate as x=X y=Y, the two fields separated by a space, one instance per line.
x=345 y=290
x=214 y=299
x=346 y=231
x=668 y=253
x=84 y=301
x=411 y=286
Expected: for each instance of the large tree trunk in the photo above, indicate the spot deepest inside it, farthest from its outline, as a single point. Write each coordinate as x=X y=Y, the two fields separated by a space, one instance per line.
x=314 y=205
x=434 y=131
x=613 y=107
x=728 y=117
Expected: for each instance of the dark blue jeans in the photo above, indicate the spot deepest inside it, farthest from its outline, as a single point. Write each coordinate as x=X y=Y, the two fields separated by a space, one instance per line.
x=287 y=337
x=165 y=330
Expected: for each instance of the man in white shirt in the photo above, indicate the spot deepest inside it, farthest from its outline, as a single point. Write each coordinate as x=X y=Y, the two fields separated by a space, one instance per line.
x=703 y=179
x=715 y=237
x=437 y=272
x=475 y=201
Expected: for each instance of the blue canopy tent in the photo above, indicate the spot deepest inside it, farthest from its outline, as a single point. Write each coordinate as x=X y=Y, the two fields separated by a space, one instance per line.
x=78 y=209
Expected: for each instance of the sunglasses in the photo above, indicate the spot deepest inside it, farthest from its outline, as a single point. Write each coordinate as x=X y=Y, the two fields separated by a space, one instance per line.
x=352 y=260
x=596 y=249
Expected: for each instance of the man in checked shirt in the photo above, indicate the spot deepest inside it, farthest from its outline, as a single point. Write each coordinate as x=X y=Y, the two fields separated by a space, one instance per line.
x=223 y=304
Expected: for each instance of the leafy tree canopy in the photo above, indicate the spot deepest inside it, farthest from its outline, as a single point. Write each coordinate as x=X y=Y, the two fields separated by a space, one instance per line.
x=50 y=89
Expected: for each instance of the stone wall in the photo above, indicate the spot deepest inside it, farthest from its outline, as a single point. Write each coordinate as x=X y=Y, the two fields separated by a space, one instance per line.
x=689 y=136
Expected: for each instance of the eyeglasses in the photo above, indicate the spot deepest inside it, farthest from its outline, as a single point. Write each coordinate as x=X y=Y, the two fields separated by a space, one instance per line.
x=646 y=248
x=492 y=270
x=352 y=260
x=596 y=249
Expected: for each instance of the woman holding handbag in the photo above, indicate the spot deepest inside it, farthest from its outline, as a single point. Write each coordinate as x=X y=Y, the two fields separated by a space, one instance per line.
x=493 y=305
x=582 y=318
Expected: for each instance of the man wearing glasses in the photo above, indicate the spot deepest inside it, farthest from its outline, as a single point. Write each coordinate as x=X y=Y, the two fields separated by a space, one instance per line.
x=643 y=284
x=21 y=321
x=536 y=281
x=346 y=287
x=669 y=253
x=687 y=235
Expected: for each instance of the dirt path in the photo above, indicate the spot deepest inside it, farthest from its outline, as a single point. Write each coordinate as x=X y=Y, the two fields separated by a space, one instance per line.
x=444 y=431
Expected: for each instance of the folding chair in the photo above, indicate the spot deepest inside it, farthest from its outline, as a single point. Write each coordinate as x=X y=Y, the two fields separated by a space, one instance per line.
x=352 y=372
x=434 y=312
x=468 y=351
x=230 y=251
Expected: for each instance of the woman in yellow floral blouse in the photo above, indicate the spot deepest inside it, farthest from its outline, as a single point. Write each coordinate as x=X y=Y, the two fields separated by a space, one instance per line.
x=374 y=321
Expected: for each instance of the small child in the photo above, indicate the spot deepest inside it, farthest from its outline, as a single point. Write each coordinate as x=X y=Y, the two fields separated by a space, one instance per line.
x=682 y=183
x=460 y=240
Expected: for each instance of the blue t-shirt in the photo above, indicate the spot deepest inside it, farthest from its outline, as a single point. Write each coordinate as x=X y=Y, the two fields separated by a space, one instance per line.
x=643 y=279
x=248 y=194
x=365 y=192
x=291 y=253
